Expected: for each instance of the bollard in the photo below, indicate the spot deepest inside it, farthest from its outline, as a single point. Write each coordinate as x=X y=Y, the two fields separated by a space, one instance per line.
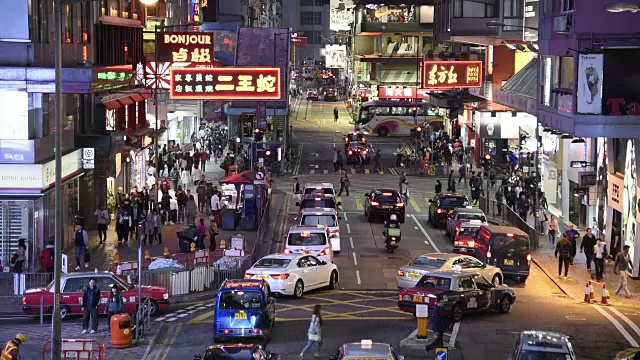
x=604 y=300
x=166 y=252
x=147 y=256
x=223 y=244
x=193 y=247
x=422 y=315
x=587 y=296
x=592 y=296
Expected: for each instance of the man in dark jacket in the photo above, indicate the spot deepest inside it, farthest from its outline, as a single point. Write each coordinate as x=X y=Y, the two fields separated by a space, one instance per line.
x=563 y=254
x=588 y=242
x=439 y=323
x=90 y=302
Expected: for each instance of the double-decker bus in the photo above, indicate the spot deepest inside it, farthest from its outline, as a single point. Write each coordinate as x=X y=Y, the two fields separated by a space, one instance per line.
x=388 y=117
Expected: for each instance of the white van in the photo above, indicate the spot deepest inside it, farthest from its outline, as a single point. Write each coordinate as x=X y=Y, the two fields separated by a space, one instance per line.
x=323 y=216
x=309 y=240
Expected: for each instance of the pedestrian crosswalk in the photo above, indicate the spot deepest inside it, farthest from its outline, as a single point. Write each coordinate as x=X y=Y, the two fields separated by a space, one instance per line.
x=185 y=313
x=351 y=170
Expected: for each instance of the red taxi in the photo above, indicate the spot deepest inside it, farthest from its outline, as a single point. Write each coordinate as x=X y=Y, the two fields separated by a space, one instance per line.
x=72 y=288
x=464 y=237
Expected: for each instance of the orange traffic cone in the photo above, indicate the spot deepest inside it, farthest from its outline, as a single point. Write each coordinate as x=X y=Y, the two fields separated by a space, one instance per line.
x=587 y=297
x=592 y=296
x=604 y=300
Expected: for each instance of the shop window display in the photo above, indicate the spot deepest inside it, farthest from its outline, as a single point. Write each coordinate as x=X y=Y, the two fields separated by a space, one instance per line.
x=391 y=14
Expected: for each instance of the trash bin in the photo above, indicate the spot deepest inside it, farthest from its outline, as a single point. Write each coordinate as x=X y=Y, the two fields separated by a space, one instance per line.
x=121 y=337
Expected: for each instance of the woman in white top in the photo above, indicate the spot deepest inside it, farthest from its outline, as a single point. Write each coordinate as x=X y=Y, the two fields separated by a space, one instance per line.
x=314 y=334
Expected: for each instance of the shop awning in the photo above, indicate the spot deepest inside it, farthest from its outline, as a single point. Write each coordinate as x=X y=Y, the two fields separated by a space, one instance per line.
x=120 y=99
x=245 y=177
x=392 y=77
x=524 y=82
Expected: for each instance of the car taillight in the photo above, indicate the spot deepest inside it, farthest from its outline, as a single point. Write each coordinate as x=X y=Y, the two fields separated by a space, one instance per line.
x=366 y=150
x=226 y=331
x=287 y=251
x=375 y=203
x=457 y=243
x=24 y=300
x=400 y=204
x=400 y=297
x=471 y=243
x=350 y=152
x=248 y=276
x=528 y=257
x=324 y=252
x=439 y=211
x=280 y=276
x=488 y=254
x=400 y=272
x=255 y=331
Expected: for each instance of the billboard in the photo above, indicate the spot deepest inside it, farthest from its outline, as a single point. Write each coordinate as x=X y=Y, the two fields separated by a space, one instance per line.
x=195 y=47
x=445 y=74
x=620 y=74
x=336 y=56
x=590 y=83
x=228 y=83
x=341 y=15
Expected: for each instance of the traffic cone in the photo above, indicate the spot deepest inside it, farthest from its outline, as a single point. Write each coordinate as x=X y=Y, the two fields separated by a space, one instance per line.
x=587 y=297
x=604 y=300
x=592 y=296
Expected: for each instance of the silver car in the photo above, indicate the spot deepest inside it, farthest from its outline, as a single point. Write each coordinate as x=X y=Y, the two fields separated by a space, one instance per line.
x=542 y=345
x=409 y=275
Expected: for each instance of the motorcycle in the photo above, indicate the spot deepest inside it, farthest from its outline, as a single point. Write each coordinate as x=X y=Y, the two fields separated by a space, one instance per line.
x=392 y=237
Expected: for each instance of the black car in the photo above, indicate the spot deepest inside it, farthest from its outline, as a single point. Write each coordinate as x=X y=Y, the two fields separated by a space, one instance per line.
x=382 y=203
x=330 y=95
x=318 y=201
x=356 y=149
x=443 y=205
x=236 y=352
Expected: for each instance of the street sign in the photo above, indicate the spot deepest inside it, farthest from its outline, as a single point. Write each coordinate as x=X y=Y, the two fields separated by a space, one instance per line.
x=88 y=154
x=442 y=354
x=259 y=178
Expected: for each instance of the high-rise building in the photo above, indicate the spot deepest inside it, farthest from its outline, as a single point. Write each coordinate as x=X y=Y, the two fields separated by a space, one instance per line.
x=309 y=19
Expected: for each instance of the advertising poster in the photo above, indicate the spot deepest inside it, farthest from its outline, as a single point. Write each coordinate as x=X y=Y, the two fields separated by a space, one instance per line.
x=629 y=198
x=341 y=15
x=590 y=68
x=336 y=56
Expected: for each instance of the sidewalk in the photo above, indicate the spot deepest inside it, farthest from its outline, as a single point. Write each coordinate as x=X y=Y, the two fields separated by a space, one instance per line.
x=575 y=285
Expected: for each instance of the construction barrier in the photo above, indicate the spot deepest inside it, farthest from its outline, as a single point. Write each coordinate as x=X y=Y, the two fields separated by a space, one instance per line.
x=589 y=294
x=77 y=349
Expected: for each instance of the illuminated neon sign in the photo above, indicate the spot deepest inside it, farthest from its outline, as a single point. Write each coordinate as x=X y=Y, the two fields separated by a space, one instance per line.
x=442 y=75
x=229 y=83
x=195 y=47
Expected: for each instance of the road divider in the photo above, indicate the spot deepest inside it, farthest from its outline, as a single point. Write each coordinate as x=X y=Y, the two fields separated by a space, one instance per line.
x=355 y=259
x=348 y=229
x=424 y=232
x=351 y=242
x=358 y=277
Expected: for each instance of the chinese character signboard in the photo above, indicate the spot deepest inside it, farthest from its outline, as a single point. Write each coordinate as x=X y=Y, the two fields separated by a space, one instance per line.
x=111 y=77
x=444 y=75
x=227 y=83
x=399 y=92
x=195 y=47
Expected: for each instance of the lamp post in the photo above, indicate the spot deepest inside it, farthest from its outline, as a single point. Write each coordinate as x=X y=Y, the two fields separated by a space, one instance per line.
x=56 y=320
x=537 y=135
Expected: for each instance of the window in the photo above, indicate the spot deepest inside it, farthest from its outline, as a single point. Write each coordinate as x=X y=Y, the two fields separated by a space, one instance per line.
x=313 y=2
x=431 y=263
x=548 y=80
x=314 y=37
x=38 y=20
x=328 y=220
x=272 y=263
x=473 y=9
x=76 y=285
x=566 y=72
x=513 y=8
x=240 y=300
x=312 y=261
x=466 y=283
x=307 y=239
x=567 y=5
x=310 y=18
x=400 y=111
x=620 y=153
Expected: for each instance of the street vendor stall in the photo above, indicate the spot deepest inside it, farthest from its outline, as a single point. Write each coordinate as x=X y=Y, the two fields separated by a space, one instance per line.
x=243 y=198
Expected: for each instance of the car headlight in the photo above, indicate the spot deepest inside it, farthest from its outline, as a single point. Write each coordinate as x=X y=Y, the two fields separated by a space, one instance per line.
x=165 y=296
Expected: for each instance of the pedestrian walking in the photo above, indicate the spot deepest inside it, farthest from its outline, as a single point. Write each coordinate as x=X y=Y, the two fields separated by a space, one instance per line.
x=599 y=257
x=523 y=207
x=81 y=240
x=499 y=200
x=90 y=302
x=621 y=268
x=376 y=161
x=588 y=242
x=573 y=235
x=439 y=323
x=124 y=226
x=11 y=350
x=438 y=187
x=335 y=114
x=344 y=183
x=314 y=334
x=102 y=220
x=156 y=222
x=213 y=232
x=114 y=304
x=202 y=233
x=462 y=171
x=553 y=230
x=336 y=154
x=184 y=178
x=191 y=211
x=563 y=254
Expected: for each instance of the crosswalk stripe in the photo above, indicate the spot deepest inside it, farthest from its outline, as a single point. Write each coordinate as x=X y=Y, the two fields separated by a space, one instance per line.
x=326 y=171
x=339 y=198
x=381 y=172
x=359 y=204
x=414 y=204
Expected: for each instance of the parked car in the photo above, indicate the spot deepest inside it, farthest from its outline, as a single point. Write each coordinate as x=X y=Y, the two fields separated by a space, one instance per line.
x=294 y=274
x=72 y=287
x=366 y=350
x=458 y=293
x=237 y=352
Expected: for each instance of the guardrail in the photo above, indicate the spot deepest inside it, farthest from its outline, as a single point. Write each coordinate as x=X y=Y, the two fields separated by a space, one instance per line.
x=503 y=214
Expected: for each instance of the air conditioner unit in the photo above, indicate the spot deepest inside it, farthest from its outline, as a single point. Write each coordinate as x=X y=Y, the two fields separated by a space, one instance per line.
x=562 y=24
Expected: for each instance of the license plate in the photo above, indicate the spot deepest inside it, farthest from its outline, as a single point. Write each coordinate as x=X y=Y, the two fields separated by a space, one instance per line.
x=261 y=277
x=241 y=315
x=508 y=262
x=414 y=275
x=418 y=298
x=462 y=249
x=388 y=207
x=308 y=252
x=393 y=243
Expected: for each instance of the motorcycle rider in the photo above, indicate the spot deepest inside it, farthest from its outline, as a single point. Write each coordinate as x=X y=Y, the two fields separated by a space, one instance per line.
x=392 y=222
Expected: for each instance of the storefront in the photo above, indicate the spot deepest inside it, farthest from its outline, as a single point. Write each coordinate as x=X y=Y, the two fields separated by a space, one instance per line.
x=27 y=205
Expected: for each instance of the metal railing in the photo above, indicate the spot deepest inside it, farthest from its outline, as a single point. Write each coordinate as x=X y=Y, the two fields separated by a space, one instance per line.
x=503 y=214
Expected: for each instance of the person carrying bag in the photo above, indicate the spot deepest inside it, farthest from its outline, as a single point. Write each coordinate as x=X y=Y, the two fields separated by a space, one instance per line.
x=114 y=304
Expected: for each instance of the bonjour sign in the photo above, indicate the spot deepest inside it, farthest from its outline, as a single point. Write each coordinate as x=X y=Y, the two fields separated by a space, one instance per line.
x=194 y=47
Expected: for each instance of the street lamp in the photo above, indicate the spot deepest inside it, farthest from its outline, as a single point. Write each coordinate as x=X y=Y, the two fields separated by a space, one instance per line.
x=56 y=320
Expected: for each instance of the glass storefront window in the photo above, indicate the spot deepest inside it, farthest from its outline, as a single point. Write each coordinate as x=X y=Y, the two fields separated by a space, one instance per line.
x=390 y=13
x=619 y=154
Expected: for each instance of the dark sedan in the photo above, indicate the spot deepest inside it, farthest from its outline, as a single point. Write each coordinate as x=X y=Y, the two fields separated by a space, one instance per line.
x=382 y=203
x=443 y=205
x=356 y=149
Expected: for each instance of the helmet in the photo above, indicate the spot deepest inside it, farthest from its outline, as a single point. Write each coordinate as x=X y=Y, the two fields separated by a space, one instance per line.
x=393 y=217
x=20 y=337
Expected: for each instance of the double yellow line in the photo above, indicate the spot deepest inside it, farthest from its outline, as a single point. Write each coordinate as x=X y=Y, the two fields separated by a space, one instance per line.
x=172 y=335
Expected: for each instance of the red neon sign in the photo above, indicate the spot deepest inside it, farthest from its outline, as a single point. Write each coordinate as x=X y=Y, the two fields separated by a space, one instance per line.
x=443 y=75
x=228 y=83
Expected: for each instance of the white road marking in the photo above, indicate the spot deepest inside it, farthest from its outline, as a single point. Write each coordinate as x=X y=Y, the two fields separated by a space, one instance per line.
x=181 y=310
x=454 y=335
x=626 y=319
x=183 y=315
x=348 y=229
x=355 y=261
x=424 y=232
x=415 y=227
x=172 y=319
x=170 y=315
x=358 y=277
x=201 y=308
x=351 y=242
x=618 y=326
x=160 y=319
x=192 y=311
x=426 y=242
x=344 y=215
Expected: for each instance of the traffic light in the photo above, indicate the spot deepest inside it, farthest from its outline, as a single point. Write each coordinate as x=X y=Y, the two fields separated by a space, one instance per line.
x=267 y=153
x=415 y=110
x=419 y=129
x=258 y=134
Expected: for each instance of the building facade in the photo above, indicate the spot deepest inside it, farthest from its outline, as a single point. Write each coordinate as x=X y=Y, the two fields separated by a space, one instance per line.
x=309 y=19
